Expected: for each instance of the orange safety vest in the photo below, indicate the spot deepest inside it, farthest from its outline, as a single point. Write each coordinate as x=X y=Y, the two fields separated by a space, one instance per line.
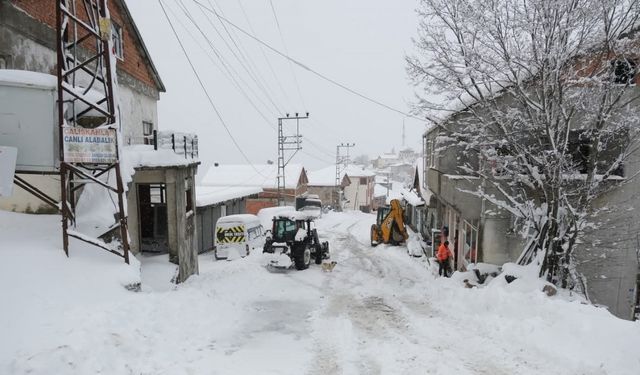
x=443 y=252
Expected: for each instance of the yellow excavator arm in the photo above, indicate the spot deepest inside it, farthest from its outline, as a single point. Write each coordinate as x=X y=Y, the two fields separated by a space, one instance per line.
x=390 y=228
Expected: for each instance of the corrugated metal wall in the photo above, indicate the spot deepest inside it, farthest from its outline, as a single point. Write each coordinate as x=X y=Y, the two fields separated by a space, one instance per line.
x=207 y=217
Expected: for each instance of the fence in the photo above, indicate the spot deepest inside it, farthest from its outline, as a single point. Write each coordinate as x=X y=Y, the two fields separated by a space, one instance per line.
x=181 y=143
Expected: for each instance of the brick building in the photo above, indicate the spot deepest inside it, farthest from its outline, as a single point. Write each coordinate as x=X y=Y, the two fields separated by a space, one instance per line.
x=27 y=42
x=160 y=194
x=263 y=176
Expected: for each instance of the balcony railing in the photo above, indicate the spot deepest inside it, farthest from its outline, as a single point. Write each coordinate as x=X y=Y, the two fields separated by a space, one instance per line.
x=181 y=143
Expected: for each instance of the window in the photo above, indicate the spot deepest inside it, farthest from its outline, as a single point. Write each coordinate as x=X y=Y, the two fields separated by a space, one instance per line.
x=3 y=62
x=470 y=242
x=147 y=132
x=189 y=201
x=157 y=193
x=624 y=71
x=363 y=180
x=580 y=149
x=432 y=154
x=117 y=40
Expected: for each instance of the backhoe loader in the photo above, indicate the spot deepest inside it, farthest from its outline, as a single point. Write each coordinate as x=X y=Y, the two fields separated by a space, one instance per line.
x=389 y=227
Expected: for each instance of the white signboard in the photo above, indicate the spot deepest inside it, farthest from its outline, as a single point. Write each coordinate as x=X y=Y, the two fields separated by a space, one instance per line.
x=95 y=146
x=8 y=157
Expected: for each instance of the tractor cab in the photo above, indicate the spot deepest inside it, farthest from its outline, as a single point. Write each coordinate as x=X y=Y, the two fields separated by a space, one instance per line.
x=284 y=229
x=382 y=213
x=293 y=234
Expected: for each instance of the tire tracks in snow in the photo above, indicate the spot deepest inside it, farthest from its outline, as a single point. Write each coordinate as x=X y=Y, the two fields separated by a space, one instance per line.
x=362 y=308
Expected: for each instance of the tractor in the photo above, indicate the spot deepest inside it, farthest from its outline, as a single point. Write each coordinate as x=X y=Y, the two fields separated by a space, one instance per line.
x=389 y=227
x=292 y=234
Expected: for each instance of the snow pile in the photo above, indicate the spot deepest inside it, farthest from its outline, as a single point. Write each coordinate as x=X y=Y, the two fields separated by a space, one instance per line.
x=411 y=197
x=266 y=215
x=45 y=293
x=300 y=234
x=27 y=78
x=145 y=156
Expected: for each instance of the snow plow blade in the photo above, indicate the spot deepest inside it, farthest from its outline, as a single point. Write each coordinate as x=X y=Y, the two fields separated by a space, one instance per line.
x=276 y=268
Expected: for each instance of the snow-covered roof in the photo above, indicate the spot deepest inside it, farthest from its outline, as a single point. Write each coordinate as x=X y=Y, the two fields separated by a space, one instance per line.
x=260 y=175
x=208 y=195
x=356 y=171
x=411 y=197
x=297 y=215
x=25 y=78
x=145 y=156
x=239 y=218
x=324 y=177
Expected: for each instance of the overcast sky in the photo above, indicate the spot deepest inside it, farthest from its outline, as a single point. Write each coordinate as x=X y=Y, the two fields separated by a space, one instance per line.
x=359 y=43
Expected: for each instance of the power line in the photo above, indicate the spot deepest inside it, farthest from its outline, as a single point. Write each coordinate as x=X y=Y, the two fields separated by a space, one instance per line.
x=305 y=67
x=230 y=74
x=205 y=90
x=249 y=68
x=273 y=73
x=227 y=69
x=295 y=78
x=244 y=64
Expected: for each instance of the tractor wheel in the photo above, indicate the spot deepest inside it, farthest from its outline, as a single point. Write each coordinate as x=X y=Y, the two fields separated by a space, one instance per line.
x=375 y=239
x=396 y=236
x=302 y=257
x=319 y=254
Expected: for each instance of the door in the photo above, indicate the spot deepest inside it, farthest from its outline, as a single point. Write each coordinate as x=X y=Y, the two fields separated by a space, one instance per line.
x=152 y=213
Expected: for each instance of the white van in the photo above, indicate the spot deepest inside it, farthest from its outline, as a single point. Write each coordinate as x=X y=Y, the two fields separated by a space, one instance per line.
x=237 y=235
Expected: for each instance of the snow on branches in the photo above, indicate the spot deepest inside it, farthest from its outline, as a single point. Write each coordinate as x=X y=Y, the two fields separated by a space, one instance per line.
x=541 y=97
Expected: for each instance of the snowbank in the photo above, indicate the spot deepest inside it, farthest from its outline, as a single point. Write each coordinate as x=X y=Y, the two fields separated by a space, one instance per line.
x=43 y=291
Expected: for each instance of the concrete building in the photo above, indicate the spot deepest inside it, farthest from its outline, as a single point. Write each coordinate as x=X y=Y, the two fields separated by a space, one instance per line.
x=323 y=183
x=479 y=231
x=359 y=194
x=261 y=176
x=27 y=42
x=385 y=160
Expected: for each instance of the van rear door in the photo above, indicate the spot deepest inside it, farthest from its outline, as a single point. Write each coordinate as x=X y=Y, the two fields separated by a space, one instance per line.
x=231 y=234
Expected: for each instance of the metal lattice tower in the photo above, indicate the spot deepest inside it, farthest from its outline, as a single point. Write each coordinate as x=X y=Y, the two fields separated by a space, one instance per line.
x=85 y=67
x=287 y=144
x=343 y=160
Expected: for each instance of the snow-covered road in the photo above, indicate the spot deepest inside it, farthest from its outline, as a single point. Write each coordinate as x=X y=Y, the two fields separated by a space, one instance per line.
x=379 y=312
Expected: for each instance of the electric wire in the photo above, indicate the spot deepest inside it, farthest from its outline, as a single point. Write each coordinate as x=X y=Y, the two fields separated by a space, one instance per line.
x=307 y=68
x=228 y=70
x=260 y=80
x=264 y=55
x=219 y=54
x=243 y=62
x=230 y=75
x=286 y=50
x=218 y=114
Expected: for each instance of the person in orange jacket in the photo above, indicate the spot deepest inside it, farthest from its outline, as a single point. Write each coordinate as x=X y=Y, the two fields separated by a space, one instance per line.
x=443 y=258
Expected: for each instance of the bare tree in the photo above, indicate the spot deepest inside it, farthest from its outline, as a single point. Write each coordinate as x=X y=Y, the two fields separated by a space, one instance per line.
x=548 y=92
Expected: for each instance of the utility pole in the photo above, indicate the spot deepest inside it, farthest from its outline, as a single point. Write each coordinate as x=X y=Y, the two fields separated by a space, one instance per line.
x=86 y=27
x=341 y=160
x=287 y=142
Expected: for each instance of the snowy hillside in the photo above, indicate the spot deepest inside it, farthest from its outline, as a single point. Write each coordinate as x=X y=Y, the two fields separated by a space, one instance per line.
x=379 y=312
